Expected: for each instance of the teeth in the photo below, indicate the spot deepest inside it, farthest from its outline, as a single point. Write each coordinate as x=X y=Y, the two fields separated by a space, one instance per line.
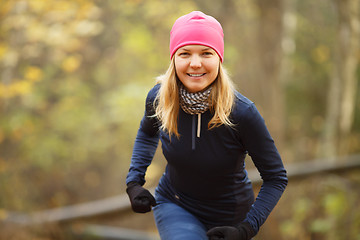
x=196 y=75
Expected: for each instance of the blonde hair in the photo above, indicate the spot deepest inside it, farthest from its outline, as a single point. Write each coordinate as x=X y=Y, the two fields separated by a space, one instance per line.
x=167 y=105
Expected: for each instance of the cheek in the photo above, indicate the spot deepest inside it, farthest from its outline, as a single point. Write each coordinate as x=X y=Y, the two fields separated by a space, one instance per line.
x=180 y=70
x=213 y=65
x=214 y=69
x=177 y=69
x=179 y=65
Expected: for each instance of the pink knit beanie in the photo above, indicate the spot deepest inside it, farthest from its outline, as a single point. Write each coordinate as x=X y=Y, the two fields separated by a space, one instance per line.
x=197 y=28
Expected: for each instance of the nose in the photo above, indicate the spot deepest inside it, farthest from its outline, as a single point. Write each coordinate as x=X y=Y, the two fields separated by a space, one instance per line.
x=195 y=61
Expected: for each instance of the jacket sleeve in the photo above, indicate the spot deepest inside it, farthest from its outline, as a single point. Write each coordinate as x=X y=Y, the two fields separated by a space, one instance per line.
x=146 y=142
x=262 y=150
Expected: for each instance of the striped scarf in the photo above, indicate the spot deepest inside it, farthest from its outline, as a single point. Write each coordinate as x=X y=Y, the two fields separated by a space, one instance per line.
x=194 y=103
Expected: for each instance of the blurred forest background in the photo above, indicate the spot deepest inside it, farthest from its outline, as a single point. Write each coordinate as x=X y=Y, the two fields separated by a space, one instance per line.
x=74 y=75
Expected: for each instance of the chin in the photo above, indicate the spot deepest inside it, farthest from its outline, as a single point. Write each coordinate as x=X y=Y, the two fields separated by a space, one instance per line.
x=195 y=89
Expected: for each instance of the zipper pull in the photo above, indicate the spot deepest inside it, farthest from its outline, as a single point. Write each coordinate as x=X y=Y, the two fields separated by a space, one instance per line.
x=199 y=125
x=193 y=132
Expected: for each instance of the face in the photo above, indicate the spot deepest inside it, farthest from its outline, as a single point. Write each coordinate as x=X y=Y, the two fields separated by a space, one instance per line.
x=196 y=66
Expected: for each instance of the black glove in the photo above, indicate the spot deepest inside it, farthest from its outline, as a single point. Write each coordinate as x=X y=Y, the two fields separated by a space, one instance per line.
x=140 y=198
x=242 y=232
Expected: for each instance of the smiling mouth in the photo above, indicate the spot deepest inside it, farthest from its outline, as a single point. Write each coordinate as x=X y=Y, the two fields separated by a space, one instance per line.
x=196 y=75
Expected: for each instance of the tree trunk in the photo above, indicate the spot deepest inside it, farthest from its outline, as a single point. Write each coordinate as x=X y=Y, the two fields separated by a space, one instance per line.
x=270 y=35
x=343 y=85
x=349 y=40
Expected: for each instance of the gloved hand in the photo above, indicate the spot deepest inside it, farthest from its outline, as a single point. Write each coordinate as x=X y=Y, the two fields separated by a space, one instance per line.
x=140 y=198
x=242 y=232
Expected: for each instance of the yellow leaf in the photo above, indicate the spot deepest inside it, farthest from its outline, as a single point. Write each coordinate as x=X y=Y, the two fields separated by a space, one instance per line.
x=18 y=88
x=36 y=32
x=71 y=63
x=3 y=49
x=34 y=74
x=23 y=87
x=38 y=6
x=64 y=5
x=88 y=10
x=3 y=214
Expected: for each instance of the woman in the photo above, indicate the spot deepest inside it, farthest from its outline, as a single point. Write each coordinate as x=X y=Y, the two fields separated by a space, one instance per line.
x=206 y=129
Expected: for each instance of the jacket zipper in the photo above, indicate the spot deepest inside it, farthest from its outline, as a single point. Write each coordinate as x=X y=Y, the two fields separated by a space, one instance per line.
x=195 y=129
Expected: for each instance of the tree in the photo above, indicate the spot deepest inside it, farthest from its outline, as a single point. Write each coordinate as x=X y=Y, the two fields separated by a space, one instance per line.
x=269 y=55
x=343 y=85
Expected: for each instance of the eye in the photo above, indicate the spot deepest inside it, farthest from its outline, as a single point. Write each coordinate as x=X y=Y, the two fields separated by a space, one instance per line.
x=208 y=53
x=184 y=54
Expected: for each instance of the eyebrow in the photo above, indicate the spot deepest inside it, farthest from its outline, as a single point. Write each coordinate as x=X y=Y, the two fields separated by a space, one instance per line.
x=205 y=49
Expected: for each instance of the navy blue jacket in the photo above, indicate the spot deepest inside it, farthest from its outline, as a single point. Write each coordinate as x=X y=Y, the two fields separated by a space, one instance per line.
x=206 y=175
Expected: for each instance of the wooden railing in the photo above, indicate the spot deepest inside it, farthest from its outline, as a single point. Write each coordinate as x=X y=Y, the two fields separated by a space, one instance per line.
x=120 y=203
